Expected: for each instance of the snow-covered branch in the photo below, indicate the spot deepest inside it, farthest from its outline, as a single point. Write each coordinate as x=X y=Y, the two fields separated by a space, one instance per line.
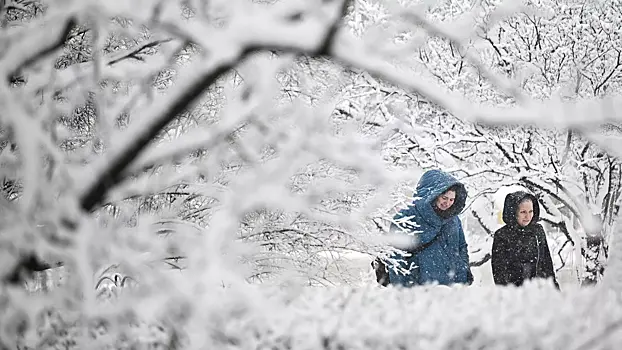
x=246 y=40
x=28 y=51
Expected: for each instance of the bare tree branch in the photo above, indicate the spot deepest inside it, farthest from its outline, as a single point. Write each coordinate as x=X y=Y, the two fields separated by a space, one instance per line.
x=481 y=261
x=45 y=50
x=114 y=172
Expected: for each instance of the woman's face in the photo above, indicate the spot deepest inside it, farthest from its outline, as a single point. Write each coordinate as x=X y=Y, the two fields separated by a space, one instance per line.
x=445 y=200
x=524 y=214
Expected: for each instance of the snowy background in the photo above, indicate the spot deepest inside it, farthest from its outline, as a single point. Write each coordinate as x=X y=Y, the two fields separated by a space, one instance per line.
x=193 y=174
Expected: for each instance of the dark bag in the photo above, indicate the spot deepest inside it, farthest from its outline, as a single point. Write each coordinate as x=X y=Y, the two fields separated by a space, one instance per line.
x=382 y=270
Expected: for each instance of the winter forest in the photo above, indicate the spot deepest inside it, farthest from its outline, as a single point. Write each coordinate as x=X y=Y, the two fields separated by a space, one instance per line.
x=194 y=174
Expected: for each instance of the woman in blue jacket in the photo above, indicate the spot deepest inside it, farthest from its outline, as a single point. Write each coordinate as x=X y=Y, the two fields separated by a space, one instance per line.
x=438 y=253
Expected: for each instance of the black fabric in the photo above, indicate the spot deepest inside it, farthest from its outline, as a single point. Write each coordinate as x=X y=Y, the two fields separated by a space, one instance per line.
x=520 y=253
x=382 y=274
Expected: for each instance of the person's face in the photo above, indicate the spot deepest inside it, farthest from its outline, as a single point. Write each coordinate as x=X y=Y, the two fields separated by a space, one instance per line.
x=445 y=200
x=524 y=214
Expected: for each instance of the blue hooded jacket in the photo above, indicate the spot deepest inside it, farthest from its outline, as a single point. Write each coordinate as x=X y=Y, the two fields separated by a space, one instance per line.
x=446 y=260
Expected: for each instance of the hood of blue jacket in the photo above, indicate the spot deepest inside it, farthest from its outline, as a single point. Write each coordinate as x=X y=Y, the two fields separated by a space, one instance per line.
x=432 y=184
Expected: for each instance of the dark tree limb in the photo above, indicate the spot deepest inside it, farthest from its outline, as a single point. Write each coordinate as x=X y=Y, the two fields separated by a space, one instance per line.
x=113 y=174
x=567 y=147
x=115 y=171
x=30 y=263
x=559 y=254
x=25 y=269
x=45 y=50
x=481 y=261
x=481 y=223
x=137 y=52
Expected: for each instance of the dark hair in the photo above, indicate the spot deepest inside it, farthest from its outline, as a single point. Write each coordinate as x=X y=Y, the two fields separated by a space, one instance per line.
x=446 y=213
x=454 y=188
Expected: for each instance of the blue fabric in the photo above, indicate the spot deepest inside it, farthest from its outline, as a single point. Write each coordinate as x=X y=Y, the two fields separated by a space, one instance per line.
x=446 y=260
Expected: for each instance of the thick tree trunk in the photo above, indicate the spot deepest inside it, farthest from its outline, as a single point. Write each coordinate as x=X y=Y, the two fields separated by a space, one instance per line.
x=594 y=261
x=613 y=274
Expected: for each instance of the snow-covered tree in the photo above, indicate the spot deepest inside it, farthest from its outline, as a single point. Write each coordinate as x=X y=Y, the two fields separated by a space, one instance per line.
x=146 y=134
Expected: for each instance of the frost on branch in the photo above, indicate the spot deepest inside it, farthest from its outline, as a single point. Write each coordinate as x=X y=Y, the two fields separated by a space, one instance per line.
x=193 y=165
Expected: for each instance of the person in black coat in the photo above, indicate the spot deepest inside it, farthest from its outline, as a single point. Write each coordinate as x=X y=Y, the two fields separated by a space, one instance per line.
x=519 y=249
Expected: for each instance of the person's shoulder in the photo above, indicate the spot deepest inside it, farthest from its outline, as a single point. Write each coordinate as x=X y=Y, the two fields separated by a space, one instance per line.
x=405 y=212
x=502 y=232
x=454 y=221
x=453 y=224
x=538 y=228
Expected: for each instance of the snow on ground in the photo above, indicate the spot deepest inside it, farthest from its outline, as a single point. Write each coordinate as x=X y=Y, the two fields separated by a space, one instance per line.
x=358 y=268
x=535 y=316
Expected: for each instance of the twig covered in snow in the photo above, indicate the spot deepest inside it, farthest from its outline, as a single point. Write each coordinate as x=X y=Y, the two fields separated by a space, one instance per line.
x=111 y=170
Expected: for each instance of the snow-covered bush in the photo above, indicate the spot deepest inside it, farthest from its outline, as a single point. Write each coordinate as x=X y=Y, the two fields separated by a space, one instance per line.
x=535 y=316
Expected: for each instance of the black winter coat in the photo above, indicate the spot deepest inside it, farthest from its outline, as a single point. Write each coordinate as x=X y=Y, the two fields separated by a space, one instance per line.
x=520 y=253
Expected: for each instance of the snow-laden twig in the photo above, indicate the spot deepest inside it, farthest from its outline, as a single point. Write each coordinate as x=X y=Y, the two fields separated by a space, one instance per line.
x=512 y=89
x=242 y=42
x=37 y=45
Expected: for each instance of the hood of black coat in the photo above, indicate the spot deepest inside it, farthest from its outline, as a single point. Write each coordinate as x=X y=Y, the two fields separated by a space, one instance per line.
x=510 y=206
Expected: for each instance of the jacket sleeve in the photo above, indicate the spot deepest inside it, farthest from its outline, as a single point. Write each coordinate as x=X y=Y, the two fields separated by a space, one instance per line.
x=399 y=225
x=545 y=256
x=464 y=253
x=500 y=259
x=400 y=279
x=406 y=222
